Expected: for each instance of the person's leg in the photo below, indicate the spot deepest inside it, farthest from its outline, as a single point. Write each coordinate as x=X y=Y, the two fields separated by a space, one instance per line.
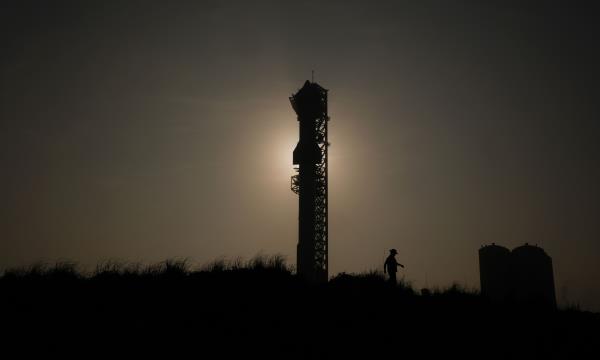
x=393 y=278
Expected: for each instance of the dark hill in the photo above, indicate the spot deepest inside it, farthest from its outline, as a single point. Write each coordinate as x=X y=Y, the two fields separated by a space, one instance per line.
x=261 y=308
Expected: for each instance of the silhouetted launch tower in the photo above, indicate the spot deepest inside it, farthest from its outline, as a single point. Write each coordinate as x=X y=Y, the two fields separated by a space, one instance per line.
x=310 y=156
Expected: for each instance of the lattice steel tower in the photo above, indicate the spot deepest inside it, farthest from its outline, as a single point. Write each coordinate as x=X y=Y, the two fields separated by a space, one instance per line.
x=310 y=183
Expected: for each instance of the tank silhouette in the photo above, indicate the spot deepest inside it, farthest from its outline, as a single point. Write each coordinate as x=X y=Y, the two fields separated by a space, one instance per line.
x=494 y=272
x=523 y=275
x=532 y=277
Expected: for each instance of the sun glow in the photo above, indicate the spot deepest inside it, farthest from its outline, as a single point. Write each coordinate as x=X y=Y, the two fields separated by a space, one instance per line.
x=278 y=139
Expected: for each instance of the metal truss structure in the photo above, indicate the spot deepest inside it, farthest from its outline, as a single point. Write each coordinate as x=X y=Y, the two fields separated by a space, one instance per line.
x=310 y=183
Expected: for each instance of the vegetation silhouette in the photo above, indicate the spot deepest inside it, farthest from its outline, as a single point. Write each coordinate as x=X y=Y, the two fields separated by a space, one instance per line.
x=261 y=308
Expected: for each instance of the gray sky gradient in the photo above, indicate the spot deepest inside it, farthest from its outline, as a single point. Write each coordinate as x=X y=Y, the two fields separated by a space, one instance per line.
x=141 y=131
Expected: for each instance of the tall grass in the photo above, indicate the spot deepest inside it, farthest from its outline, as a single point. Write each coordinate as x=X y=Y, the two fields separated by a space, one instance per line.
x=259 y=262
x=168 y=268
x=59 y=270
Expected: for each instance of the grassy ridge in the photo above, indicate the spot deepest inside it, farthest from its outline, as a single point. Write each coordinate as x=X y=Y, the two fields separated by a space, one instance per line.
x=259 y=307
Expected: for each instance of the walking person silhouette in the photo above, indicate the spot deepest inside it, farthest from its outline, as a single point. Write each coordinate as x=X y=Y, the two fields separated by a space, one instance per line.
x=391 y=266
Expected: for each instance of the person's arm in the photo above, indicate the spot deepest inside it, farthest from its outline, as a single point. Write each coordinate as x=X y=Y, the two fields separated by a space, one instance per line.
x=397 y=263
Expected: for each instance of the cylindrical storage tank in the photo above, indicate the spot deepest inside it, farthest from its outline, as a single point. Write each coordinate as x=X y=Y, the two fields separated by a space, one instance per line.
x=494 y=272
x=532 y=276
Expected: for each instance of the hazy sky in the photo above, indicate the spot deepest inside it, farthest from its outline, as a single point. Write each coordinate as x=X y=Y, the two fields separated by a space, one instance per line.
x=140 y=131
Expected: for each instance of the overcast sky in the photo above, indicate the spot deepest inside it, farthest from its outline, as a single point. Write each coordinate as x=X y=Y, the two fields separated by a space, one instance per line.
x=140 y=131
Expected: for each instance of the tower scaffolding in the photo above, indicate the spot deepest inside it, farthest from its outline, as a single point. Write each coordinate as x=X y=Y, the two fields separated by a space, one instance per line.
x=310 y=183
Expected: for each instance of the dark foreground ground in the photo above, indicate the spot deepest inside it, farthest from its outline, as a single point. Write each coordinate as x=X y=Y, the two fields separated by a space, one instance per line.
x=260 y=309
